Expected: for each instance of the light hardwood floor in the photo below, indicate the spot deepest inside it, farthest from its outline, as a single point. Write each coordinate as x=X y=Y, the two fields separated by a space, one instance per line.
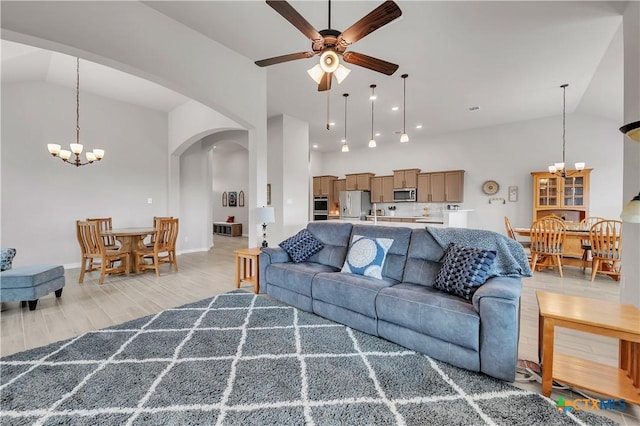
x=91 y=306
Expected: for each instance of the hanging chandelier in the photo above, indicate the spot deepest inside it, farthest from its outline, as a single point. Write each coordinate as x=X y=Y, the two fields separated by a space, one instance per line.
x=345 y=146
x=559 y=168
x=404 y=137
x=76 y=148
x=372 y=141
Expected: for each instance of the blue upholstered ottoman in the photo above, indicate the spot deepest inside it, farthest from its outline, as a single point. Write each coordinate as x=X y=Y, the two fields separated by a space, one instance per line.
x=29 y=283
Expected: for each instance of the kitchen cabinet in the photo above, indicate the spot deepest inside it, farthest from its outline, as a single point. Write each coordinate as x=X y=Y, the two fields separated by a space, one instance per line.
x=338 y=185
x=323 y=185
x=567 y=197
x=441 y=187
x=359 y=181
x=382 y=189
x=406 y=178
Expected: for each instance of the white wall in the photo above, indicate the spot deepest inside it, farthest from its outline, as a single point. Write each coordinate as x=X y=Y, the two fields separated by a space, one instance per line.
x=42 y=197
x=506 y=154
x=230 y=173
x=195 y=199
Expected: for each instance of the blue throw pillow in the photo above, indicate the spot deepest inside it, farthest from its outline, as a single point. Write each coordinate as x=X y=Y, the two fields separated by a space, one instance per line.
x=301 y=246
x=6 y=258
x=366 y=256
x=464 y=269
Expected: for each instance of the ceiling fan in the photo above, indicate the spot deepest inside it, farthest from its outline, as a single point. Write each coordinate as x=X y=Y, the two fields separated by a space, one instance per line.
x=330 y=44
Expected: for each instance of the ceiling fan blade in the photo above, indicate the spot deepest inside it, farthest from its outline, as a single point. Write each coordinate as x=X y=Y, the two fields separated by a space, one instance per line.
x=370 y=62
x=284 y=58
x=378 y=17
x=290 y=14
x=325 y=84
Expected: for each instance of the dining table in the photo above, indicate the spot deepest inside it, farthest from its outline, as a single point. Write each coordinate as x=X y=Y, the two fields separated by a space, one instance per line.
x=130 y=239
x=573 y=251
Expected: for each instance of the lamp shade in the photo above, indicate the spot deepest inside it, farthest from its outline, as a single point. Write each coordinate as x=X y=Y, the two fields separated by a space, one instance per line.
x=631 y=212
x=632 y=130
x=266 y=215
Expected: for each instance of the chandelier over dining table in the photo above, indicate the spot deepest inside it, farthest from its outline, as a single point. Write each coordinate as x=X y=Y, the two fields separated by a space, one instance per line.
x=559 y=168
x=76 y=148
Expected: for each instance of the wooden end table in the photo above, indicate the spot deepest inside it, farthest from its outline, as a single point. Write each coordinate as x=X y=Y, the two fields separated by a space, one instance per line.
x=591 y=316
x=248 y=267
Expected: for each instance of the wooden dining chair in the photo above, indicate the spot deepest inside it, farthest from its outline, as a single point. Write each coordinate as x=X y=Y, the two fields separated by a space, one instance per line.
x=164 y=248
x=606 y=248
x=512 y=234
x=152 y=240
x=105 y=224
x=95 y=256
x=547 y=241
x=585 y=243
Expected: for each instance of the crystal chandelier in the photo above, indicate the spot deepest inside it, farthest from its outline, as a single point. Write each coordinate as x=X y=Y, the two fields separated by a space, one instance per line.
x=76 y=148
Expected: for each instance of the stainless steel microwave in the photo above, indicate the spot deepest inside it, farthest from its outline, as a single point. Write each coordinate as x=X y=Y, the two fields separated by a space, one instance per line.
x=404 y=194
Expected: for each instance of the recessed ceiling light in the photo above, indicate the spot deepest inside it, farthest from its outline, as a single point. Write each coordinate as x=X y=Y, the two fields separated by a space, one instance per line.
x=395 y=108
x=332 y=124
x=373 y=97
x=343 y=140
x=378 y=134
x=214 y=147
x=419 y=126
x=474 y=108
x=315 y=145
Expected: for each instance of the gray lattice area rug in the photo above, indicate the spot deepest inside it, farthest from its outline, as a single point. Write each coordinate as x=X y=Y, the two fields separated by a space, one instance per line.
x=242 y=359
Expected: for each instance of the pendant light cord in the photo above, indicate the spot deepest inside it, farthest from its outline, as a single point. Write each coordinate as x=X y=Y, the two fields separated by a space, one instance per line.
x=564 y=107
x=345 y=116
x=373 y=91
x=78 y=100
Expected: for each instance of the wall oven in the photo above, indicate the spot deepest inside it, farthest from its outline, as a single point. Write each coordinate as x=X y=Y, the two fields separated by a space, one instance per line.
x=321 y=208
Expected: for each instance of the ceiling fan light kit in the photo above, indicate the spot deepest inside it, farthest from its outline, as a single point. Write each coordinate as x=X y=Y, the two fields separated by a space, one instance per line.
x=331 y=44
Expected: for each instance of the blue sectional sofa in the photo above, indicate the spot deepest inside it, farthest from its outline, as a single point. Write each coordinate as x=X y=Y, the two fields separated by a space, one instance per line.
x=403 y=306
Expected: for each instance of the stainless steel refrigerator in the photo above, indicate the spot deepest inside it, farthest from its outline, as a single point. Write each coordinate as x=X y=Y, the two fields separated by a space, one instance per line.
x=355 y=204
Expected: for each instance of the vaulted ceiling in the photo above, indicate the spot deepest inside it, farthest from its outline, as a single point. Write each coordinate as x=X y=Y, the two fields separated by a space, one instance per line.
x=507 y=58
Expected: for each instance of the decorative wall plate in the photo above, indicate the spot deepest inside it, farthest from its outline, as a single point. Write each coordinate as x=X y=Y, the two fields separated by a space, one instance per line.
x=490 y=187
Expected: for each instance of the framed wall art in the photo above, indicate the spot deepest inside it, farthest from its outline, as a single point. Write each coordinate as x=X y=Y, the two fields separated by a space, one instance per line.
x=233 y=198
x=513 y=194
x=241 y=199
x=268 y=194
x=224 y=199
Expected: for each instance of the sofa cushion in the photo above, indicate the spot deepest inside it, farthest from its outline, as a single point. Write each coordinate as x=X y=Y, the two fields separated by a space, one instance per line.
x=356 y=293
x=431 y=312
x=295 y=277
x=423 y=259
x=464 y=269
x=301 y=246
x=6 y=258
x=366 y=256
x=335 y=239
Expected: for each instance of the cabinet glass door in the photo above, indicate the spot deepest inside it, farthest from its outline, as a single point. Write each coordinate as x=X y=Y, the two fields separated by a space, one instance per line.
x=548 y=191
x=573 y=191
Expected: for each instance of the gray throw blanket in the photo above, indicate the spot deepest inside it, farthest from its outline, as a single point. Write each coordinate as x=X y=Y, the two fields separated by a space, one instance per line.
x=511 y=260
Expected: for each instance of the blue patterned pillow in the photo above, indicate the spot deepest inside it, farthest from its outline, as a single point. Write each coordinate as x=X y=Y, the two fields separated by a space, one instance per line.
x=464 y=269
x=366 y=256
x=301 y=246
x=6 y=257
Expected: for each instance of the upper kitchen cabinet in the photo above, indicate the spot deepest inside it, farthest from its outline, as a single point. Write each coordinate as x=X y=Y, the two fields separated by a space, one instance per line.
x=406 y=178
x=382 y=189
x=359 y=181
x=441 y=187
x=323 y=185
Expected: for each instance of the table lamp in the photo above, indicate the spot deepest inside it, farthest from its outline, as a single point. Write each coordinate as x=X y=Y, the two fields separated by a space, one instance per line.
x=265 y=215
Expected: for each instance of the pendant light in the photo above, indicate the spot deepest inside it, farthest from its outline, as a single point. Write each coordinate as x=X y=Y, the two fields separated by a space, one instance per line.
x=372 y=141
x=76 y=148
x=559 y=168
x=404 y=137
x=345 y=146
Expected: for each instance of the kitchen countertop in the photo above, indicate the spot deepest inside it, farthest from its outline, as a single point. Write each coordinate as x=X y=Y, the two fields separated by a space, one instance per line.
x=380 y=223
x=422 y=219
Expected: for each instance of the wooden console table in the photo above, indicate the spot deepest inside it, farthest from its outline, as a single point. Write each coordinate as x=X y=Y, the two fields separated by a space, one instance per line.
x=591 y=316
x=229 y=229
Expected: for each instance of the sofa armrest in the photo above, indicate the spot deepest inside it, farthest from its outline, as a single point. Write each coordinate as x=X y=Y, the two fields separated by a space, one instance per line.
x=498 y=303
x=498 y=287
x=268 y=256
